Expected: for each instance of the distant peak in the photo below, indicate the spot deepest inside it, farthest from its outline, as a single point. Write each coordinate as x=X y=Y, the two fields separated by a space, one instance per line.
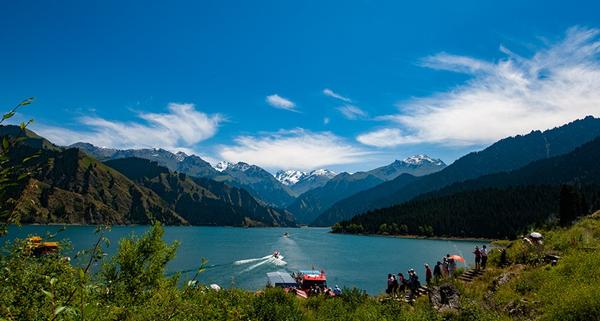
x=221 y=166
x=421 y=159
x=289 y=177
x=292 y=177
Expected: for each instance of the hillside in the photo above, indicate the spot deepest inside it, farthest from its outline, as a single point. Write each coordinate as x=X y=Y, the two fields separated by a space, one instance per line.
x=496 y=206
x=200 y=201
x=258 y=182
x=505 y=155
x=70 y=187
x=310 y=204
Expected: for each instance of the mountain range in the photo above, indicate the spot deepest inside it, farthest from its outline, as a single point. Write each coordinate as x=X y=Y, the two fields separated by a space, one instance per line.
x=258 y=182
x=68 y=186
x=312 y=203
x=505 y=155
x=300 y=182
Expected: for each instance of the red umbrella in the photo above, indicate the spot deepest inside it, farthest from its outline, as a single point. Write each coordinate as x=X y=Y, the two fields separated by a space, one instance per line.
x=457 y=258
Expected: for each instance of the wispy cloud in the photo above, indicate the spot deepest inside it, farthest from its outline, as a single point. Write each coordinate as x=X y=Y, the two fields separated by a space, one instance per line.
x=179 y=129
x=298 y=148
x=557 y=84
x=352 y=112
x=331 y=93
x=280 y=102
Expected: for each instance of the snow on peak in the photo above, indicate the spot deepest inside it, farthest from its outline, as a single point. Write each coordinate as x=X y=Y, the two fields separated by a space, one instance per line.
x=289 y=177
x=322 y=172
x=292 y=177
x=221 y=166
x=241 y=166
x=180 y=156
x=421 y=159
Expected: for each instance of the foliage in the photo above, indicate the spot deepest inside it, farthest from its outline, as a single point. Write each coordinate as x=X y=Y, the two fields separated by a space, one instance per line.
x=11 y=174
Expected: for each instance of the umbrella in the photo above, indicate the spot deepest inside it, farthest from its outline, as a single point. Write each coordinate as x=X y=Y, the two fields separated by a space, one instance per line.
x=535 y=235
x=457 y=258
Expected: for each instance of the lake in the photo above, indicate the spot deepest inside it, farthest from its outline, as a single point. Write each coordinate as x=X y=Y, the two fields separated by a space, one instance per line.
x=237 y=255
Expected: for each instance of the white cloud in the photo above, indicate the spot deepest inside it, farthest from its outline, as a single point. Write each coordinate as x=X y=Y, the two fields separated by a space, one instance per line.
x=299 y=149
x=280 y=102
x=326 y=120
x=331 y=93
x=558 y=84
x=386 y=137
x=178 y=130
x=352 y=112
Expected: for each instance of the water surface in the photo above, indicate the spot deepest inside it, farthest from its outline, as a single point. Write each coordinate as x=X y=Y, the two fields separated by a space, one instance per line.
x=348 y=260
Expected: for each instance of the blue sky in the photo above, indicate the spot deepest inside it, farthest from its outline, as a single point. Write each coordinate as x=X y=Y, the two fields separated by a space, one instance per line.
x=347 y=85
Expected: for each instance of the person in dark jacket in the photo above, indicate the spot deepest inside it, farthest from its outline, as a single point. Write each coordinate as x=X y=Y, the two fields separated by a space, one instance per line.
x=437 y=272
x=477 y=253
x=428 y=274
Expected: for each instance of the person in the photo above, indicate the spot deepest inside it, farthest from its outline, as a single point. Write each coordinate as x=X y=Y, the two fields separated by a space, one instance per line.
x=394 y=285
x=401 y=283
x=484 y=257
x=413 y=283
x=477 y=253
x=445 y=269
x=451 y=265
x=428 y=274
x=390 y=284
x=437 y=272
x=337 y=291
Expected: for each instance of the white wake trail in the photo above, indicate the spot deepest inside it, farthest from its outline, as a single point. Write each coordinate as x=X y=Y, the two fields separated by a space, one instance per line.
x=246 y=261
x=269 y=259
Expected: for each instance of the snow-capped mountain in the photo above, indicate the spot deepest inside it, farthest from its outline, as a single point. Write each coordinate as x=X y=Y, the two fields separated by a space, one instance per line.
x=289 y=177
x=300 y=182
x=422 y=159
x=221 y=166
x=417 y=165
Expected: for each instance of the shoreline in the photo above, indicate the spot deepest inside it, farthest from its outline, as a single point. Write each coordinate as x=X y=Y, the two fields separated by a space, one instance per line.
x=417 y=237
x=420 y=237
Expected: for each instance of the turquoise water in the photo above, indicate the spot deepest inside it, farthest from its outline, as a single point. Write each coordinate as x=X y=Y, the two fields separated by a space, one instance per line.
x=348 y=260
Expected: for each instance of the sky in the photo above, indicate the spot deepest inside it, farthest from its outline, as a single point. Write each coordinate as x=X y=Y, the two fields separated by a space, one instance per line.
x=344 y=85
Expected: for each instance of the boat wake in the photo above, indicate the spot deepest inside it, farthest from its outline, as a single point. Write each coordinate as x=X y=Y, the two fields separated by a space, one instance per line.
x=269 y=259
x=246 y=261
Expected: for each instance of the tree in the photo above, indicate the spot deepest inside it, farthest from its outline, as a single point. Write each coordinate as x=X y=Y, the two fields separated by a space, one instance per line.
x=11 y=174
x=572 y=204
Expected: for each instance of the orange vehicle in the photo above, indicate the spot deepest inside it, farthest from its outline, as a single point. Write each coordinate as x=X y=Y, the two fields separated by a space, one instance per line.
x=38 y=247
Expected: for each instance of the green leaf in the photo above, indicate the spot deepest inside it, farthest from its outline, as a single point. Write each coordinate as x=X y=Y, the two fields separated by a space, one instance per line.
x=59 y=310
x=53 y=281
x=8 y=115
x=26 y=101
x=5 y=143
x=47 y=293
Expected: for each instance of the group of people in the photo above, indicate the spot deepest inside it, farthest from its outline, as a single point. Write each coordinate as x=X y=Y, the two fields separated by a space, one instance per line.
x=321 y=289
x=400 y=284
x=444 y=268
x=481 y=256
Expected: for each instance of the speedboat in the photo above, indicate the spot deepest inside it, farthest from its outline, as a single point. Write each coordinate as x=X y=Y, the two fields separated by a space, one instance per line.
x=286 y=234
x=276 y=255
